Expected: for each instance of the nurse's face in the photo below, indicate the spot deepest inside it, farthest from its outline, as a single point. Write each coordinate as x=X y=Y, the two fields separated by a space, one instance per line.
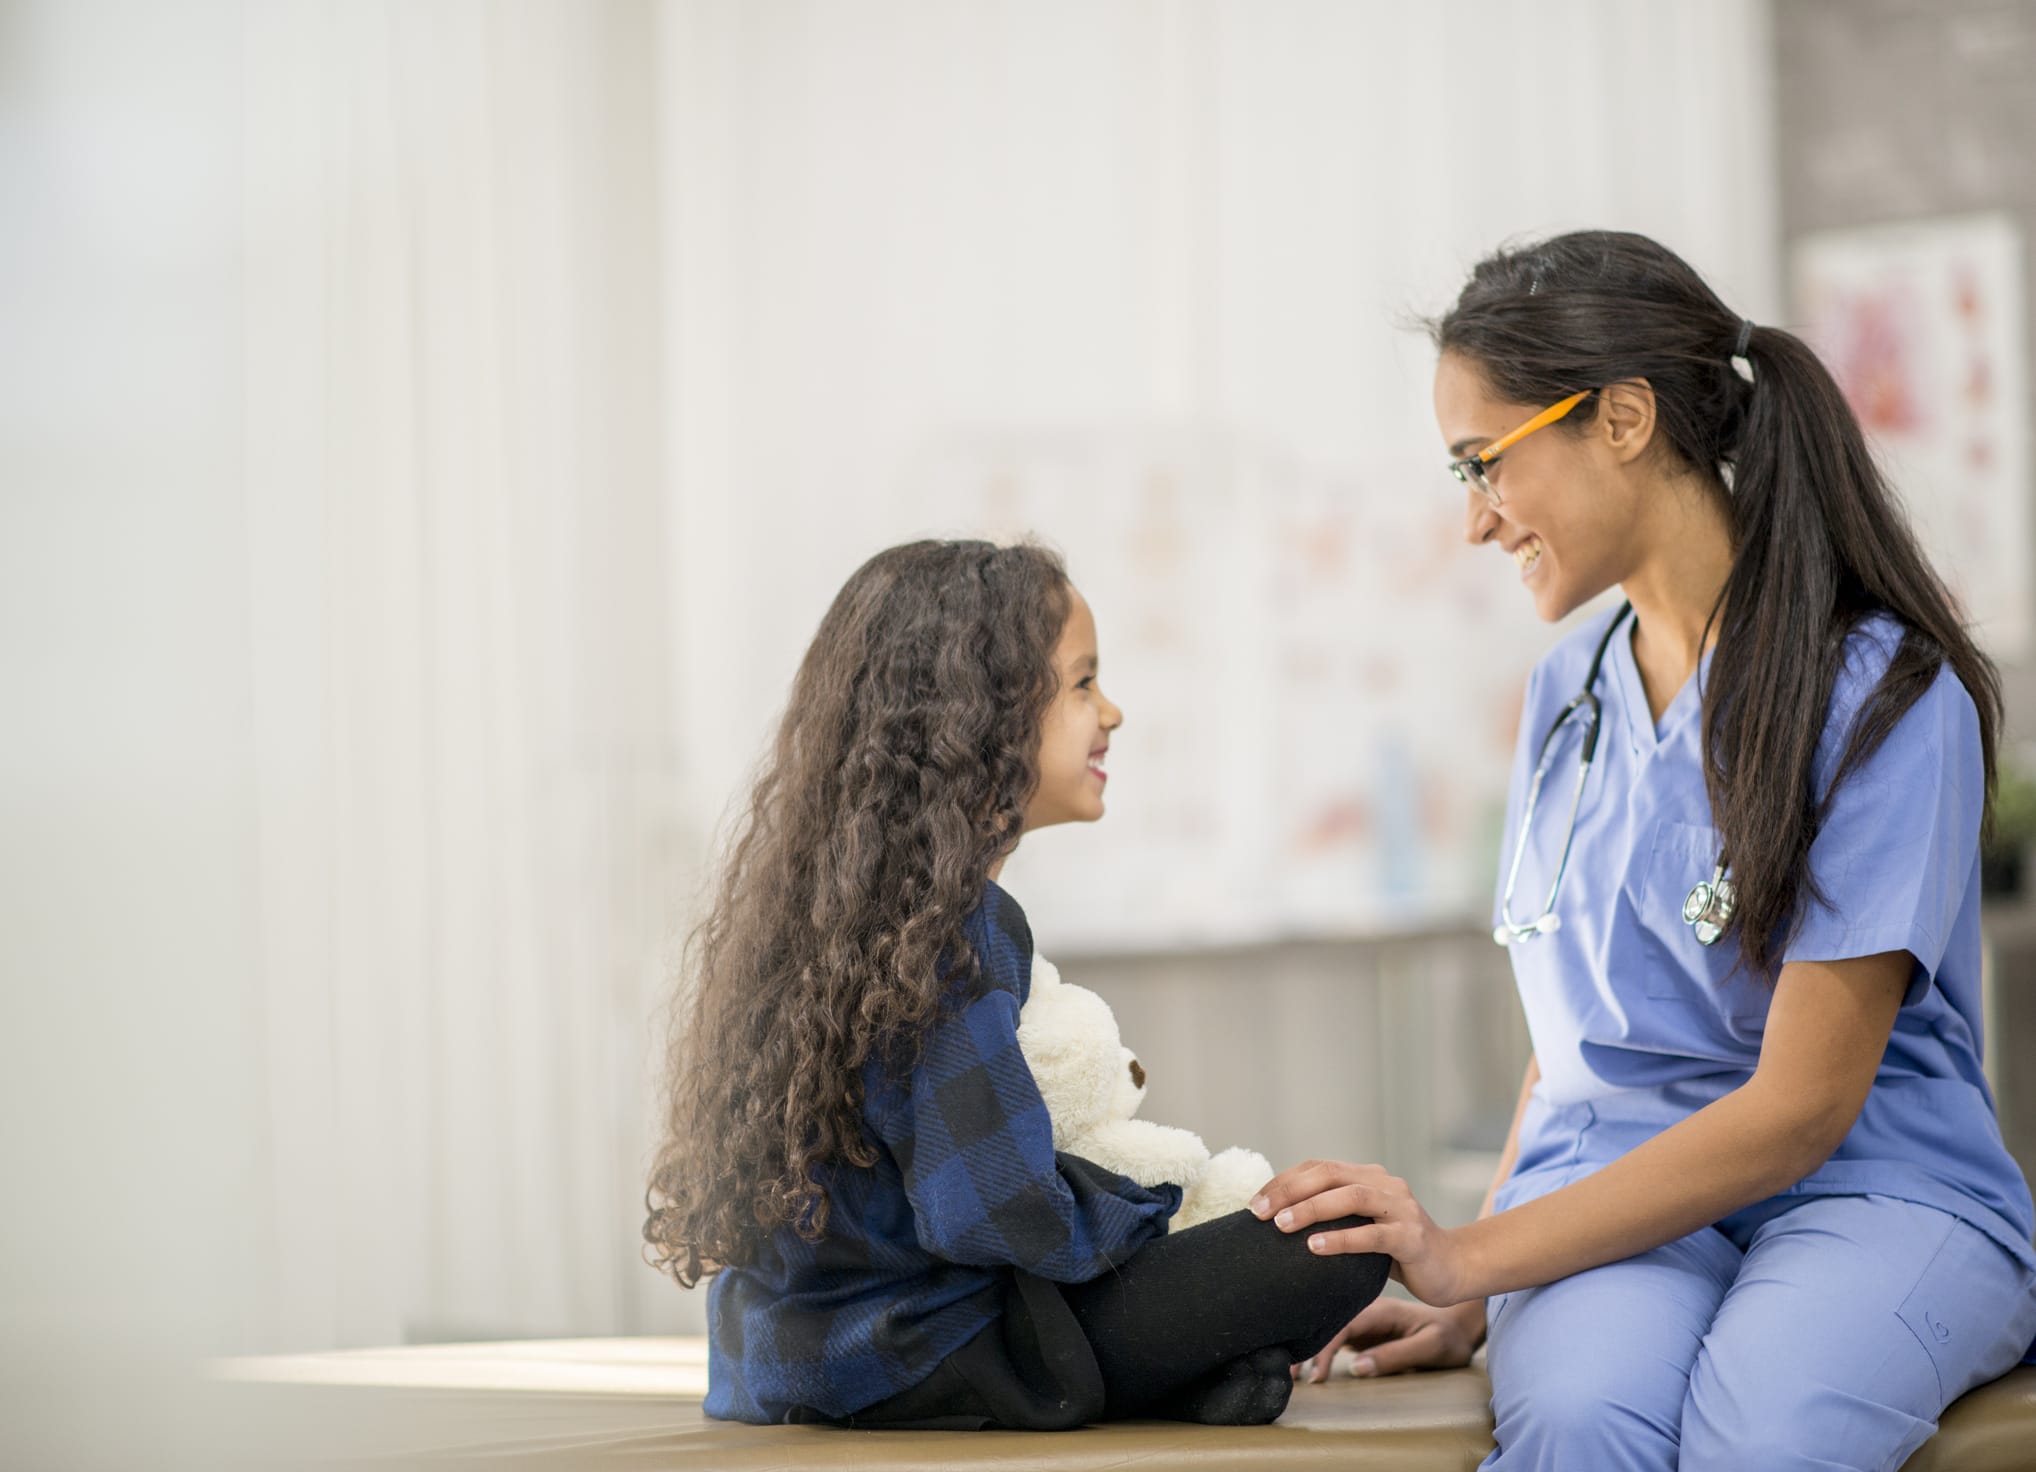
x=1566 y=512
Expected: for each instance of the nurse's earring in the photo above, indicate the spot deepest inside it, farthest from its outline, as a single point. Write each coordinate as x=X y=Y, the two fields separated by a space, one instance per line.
x=1708 y=910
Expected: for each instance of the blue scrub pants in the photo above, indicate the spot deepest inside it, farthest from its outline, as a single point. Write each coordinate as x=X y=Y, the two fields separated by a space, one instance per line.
x=1805 y=1331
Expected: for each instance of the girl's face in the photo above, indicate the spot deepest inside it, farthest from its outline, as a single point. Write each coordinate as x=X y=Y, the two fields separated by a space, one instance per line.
x=1076 y=731
x=1566 y=510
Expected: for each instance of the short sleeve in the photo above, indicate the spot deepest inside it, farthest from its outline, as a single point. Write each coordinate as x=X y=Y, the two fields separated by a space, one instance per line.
x=1896 y=851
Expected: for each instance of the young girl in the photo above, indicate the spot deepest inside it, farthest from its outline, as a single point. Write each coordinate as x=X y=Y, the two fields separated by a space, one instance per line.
x=1755 y=1210
x=856 y=1149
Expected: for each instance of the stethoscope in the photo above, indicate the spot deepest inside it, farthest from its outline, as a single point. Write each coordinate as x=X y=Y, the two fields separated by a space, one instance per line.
x=1707 y=909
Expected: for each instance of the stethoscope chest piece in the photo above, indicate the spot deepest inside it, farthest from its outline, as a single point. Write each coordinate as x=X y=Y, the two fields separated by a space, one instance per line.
x=1708 y=910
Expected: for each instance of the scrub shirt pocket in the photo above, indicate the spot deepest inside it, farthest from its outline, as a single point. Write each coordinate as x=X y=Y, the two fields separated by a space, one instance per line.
x=1685 y=970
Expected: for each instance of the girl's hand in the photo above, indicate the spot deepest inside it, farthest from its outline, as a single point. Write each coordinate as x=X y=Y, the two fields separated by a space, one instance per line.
x=1395 y=1335
x=1426 y=1258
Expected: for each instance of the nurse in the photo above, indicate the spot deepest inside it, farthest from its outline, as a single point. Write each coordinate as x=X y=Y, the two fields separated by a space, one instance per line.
x=1754 y=1210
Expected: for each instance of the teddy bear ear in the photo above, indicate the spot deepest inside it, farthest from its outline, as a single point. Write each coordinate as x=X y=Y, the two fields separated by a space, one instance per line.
x=1044 y=972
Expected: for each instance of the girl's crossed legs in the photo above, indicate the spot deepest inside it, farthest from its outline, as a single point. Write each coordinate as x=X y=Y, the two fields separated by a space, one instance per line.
x=1199 y=1325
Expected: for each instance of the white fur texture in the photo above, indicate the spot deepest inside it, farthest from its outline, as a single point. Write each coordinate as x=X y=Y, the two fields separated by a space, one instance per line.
x=1069 y=1038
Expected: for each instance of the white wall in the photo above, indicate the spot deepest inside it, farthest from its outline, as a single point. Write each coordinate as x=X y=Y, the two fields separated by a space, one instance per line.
x=129 y=1067
x=430 y=434
x=1053 y=266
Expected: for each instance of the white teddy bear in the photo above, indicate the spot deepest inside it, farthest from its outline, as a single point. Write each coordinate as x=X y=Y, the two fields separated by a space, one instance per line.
x=1092 y=1086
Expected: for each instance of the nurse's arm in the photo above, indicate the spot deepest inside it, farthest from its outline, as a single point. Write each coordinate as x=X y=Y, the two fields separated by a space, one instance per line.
x=1827 y=1030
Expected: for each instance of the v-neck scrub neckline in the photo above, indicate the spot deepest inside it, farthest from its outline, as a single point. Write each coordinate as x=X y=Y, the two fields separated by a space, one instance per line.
x=1647 y=733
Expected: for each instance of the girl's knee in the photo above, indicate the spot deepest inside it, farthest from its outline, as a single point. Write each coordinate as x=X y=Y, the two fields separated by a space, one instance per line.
x=1298 y=1239
x=1352 y=1269
x=1339 y=1284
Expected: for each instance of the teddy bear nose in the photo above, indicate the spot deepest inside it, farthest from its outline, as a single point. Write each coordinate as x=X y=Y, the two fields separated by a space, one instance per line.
x=1137 y=1075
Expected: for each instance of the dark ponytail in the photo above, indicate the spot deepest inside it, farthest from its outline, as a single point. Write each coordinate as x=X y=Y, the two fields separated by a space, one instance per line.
x=1819 y=541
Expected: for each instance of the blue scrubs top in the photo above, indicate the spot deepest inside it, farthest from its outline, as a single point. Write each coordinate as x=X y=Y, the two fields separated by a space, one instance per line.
x=1634 y=1024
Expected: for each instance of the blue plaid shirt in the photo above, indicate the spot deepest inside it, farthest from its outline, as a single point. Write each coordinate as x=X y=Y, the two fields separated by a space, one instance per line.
x=966 y=1187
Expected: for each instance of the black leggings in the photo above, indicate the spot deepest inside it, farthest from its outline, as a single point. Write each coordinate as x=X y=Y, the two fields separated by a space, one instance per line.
x=1200 y=1325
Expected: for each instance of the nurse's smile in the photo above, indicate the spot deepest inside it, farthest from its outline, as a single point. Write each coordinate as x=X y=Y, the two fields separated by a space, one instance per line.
x=1546 y=488
x=1526 y=554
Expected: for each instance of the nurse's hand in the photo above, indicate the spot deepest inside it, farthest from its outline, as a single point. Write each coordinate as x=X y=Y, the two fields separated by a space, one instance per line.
x=1392 y=1335
x=1426 y=1258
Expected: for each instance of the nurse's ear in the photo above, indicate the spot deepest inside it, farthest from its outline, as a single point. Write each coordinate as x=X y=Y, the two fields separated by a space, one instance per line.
x=1625 y=419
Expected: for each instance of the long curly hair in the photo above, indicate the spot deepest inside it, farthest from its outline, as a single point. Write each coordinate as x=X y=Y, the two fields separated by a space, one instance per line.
x=902 y=767
x=1820 y=540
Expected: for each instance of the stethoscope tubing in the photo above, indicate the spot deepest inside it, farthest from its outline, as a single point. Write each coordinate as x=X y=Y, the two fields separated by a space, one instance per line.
x=1708 y=907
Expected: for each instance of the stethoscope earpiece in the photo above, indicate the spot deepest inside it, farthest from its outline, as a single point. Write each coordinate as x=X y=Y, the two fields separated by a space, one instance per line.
x=1506 y=935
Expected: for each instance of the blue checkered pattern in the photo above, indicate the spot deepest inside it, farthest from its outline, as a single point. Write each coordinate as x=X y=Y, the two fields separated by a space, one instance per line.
x=966 y=1187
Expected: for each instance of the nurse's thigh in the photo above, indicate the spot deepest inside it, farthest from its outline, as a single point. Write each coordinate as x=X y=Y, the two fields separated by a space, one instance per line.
x=1593 y=1370
x=1854 y=1321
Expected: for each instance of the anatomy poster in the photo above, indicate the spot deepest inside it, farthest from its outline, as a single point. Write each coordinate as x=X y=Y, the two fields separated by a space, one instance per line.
x=1924 y=327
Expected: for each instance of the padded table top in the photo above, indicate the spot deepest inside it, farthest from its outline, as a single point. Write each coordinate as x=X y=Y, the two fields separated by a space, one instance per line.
x=635 y=1403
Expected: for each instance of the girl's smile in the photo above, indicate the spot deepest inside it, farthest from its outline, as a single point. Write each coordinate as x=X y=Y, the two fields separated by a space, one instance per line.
x=1074 y=737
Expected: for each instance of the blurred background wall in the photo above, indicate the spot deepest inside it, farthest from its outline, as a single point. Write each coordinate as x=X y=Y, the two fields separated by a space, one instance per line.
x=1893 y=115
x=1143 y=280
x=432 y=431
x=131 y=1071
x=1890 y=113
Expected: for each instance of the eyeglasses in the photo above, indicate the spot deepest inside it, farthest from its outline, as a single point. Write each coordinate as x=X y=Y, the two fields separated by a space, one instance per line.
x=1471 y=468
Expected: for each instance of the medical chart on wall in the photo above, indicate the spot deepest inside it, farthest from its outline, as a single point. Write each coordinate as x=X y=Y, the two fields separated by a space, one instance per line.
x=1321 y=683
x=1924 y=327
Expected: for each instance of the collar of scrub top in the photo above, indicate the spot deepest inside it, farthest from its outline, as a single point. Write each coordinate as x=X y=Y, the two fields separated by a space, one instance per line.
x=1709 y=906
x=1509 y=930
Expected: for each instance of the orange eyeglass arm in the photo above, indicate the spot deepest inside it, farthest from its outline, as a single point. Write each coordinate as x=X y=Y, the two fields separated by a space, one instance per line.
x=1542 y=420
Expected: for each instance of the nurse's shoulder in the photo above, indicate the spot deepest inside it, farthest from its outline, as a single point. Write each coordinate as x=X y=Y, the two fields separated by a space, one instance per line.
x=1943 y=721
